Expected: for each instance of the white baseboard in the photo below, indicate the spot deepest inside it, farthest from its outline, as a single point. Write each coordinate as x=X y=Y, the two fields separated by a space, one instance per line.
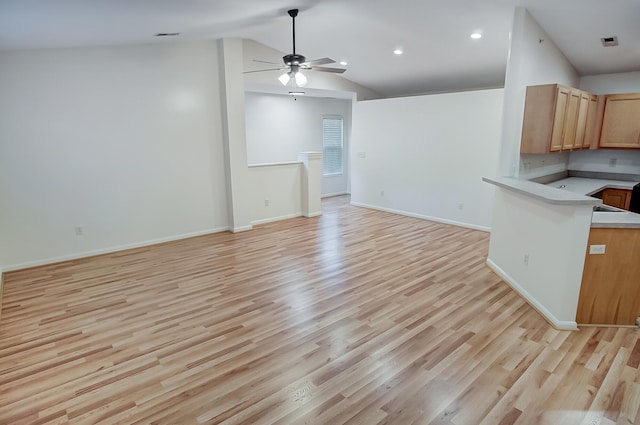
x=563 y=325
x=241 y=229
x=329 y=195
x=313 y=214
x=78 y=255
x=424 y=217
x=1 y=288
x=272 y=219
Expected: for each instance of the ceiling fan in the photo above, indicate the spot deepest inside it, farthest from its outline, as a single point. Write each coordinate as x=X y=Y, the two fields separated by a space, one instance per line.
x=294 y=62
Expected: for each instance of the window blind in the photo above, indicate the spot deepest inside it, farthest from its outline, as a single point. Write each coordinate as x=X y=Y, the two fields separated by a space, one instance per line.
x=332 y=146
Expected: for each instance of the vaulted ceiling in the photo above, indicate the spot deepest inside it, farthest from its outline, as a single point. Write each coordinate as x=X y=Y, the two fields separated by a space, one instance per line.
x=439 y=54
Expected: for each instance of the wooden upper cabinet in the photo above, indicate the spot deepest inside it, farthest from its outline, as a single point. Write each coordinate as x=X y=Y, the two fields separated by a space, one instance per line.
x=555 y=119
x=621 y=121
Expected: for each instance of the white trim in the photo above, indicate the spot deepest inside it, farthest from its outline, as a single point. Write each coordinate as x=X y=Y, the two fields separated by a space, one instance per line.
x=241 y=229
x=329 y=195
x=563 y=325
x=313 y=214
x=1 y=288
x=272 y=219
x=274 y=164
x=424 y=217
x=52 y=260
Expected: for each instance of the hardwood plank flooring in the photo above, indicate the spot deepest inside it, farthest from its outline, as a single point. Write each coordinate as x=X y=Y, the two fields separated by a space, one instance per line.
x=354 y=317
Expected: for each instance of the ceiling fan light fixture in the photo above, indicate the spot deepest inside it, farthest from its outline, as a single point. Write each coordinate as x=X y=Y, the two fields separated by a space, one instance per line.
x=284 y=78
x=300 y=79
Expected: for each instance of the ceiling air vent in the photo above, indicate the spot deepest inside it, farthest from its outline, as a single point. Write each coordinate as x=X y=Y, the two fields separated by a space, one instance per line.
x=167 y=34
x=609 y=41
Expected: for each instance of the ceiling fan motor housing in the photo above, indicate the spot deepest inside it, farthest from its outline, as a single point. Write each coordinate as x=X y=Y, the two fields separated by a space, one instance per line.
x=293 y=59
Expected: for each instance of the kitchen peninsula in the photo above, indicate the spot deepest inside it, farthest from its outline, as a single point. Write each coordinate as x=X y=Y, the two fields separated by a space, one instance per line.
x=539 y=239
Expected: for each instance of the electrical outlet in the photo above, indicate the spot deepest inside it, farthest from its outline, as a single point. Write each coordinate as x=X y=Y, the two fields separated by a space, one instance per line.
x=79 y=231
x=525 y=259
x=266 y=202
x=381 y=192
x=362 y=155
x=460 y=206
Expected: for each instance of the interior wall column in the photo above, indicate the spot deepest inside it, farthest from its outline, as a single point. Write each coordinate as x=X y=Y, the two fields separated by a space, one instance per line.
x=234 y=133
x=311 y=183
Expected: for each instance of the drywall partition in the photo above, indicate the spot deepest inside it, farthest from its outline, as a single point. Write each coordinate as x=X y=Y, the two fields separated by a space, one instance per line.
x=276 y=191
x=108 y=147
x=539 y=249
x=234 y=134
x=524 y=227
x=425 y=156
x=533 y=59
x=285 y=190
x=279 y=127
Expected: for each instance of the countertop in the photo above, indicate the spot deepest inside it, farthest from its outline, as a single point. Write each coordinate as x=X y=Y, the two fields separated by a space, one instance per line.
x=545 y=193
x=582 y=186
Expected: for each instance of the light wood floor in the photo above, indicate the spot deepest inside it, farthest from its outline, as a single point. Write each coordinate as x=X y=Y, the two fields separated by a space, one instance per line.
x=354 y=317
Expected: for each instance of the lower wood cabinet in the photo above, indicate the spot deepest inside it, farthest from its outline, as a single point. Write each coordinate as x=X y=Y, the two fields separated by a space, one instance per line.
x=610 y=291
x=619 y=198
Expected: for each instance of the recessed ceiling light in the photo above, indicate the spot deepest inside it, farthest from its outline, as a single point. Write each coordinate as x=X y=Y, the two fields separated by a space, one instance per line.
x=398 y=52
x=476 y=35
x=343 y=63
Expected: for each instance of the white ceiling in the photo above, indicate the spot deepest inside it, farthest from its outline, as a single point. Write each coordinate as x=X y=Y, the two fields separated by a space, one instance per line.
x=439 y=54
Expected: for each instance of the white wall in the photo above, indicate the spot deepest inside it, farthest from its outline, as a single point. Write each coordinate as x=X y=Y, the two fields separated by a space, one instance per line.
x=428 y=154
x=123 y=141
x=531 y=62
x=624 y=82
x=279 y=128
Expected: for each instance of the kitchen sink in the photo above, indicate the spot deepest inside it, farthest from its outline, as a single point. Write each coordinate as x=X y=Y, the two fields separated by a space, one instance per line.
x=607 y=208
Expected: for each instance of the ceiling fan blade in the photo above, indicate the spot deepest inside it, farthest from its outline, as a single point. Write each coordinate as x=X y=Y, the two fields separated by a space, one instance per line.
x=263 y=70
x=325 y=69
x=271 y=63
x=321 y=61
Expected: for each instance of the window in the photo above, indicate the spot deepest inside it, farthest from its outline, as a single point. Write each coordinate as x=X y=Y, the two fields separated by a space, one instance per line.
x=332 y=145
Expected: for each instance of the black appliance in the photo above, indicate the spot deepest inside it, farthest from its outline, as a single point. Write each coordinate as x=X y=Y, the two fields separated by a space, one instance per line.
x=634 y=205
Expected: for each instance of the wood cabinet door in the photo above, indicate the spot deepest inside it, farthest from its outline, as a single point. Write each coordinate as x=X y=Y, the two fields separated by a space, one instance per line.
x=591 y=126
x=621 y=121
x=581 y=125
x=619 y=198
x=610 y=294
x=557 y=133
x=571 y=120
